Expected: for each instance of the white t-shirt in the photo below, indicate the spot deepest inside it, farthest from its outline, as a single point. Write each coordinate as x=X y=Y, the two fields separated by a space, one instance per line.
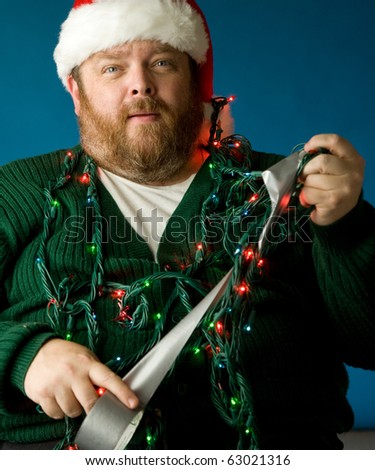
x=146 y=208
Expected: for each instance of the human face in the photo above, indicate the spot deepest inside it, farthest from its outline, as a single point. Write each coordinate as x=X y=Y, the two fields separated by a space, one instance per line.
x=139 y=111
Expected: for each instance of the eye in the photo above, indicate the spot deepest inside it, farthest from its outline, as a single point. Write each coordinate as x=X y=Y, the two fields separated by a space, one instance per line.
x=110 y=69
x=163 y=63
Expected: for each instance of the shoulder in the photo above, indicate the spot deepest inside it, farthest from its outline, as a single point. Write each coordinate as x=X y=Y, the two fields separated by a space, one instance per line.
x=22 y=189
x=237 y=151
x=35 y=171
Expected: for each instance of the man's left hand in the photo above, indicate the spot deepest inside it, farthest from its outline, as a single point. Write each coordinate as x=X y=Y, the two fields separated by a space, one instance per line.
x=332 y=182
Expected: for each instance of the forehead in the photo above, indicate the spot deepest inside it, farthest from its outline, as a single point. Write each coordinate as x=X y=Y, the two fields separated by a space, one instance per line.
x=141 y=47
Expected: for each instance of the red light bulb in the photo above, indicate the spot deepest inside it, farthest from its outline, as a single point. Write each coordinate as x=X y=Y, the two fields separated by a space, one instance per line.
x=219 y=327
x=118 y=294
x=85 y=178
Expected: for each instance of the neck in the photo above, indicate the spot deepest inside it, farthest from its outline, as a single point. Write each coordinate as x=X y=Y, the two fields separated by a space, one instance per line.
x=192 y=166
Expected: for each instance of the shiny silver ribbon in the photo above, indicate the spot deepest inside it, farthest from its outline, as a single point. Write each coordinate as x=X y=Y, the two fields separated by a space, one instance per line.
x=110 y=424
x=280 y=180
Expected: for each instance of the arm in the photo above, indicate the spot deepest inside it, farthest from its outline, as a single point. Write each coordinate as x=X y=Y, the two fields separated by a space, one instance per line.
x=58 y=375
x=344 y=245
x=344 y=257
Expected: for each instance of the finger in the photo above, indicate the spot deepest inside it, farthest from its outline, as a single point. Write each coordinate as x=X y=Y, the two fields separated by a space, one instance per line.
x=86 y=394
x=68 y=403
x=311 y=197
x=330 y=199
x=325 y=164
x=51 y=408
x=102 y=376
x=318 y=214
x=327 y=182
x=334 y=143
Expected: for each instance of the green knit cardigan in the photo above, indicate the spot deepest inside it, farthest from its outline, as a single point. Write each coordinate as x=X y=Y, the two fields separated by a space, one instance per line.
x=314 y=312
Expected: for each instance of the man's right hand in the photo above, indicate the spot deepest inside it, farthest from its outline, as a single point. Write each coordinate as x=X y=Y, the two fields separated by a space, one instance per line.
x=63 y=376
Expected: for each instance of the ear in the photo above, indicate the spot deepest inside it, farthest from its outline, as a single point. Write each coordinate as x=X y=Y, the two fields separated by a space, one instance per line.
x=74 y=93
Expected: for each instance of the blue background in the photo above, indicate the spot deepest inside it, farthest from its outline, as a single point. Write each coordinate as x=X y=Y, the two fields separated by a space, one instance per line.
x=298 y=68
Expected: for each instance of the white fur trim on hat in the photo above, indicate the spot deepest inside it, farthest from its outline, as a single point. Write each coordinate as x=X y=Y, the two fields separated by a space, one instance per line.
x=107 y=23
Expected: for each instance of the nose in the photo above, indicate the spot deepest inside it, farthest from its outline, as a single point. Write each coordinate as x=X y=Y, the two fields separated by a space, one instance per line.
x=139 y=91
x=141 y=83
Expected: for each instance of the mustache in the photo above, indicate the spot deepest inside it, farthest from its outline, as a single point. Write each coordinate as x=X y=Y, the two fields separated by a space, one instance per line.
x=145 y=105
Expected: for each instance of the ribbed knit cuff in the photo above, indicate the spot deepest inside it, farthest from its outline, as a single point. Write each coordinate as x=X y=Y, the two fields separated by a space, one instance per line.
x=19 y=345
x=24 y=358
x=345 y=232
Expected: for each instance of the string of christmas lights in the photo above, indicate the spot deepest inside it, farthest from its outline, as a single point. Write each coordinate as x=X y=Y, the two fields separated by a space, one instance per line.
x=228 y=230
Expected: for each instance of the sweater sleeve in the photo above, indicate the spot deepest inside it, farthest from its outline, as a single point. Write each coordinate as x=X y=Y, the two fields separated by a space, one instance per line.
x=20 y=339
x=20 y=343
x=344 y=256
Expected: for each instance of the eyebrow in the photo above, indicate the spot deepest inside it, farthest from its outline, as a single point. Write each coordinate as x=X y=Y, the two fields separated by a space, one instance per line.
x=165 y=48
x=117 y=54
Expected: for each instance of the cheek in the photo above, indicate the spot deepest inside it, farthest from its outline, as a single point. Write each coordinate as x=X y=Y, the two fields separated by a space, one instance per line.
x=105 y=102
x=177 y=94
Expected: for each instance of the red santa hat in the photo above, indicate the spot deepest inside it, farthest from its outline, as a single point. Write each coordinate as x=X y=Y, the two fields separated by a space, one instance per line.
x=97 y=25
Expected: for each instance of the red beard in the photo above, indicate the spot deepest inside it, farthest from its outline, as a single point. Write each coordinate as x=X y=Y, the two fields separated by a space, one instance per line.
x=153 y=152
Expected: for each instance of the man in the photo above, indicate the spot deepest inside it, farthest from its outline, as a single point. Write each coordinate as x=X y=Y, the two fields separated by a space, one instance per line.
x=88 y=286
